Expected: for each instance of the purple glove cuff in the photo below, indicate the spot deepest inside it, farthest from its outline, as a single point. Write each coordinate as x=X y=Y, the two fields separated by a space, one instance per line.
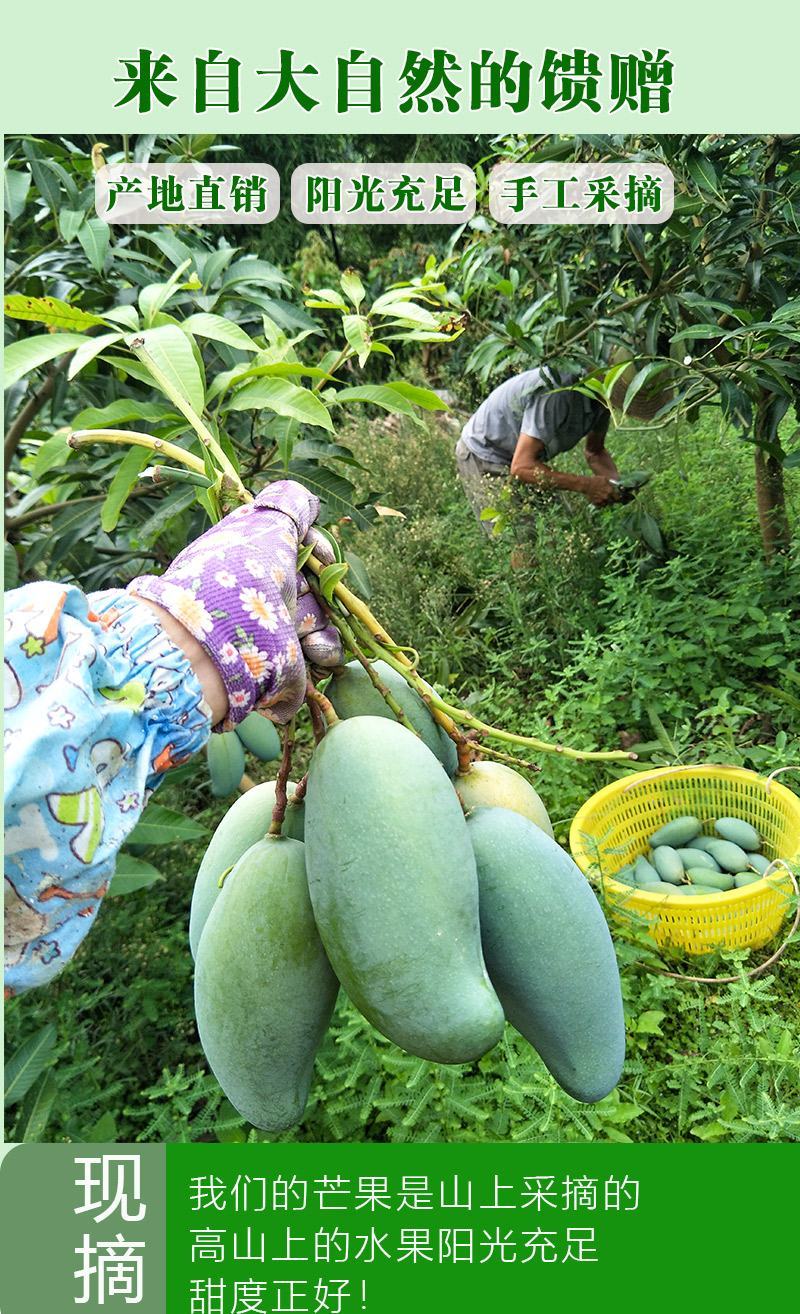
x=235 y=591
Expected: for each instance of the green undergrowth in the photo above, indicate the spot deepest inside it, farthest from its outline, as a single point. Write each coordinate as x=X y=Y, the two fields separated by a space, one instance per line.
x=573 y=630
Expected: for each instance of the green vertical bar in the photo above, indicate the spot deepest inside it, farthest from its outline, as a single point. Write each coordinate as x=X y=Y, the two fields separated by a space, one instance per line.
x=43 y=1234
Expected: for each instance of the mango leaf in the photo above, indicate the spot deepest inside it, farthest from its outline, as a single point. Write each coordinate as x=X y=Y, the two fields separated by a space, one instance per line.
x=219 y=329
x=646 y=374
x=69 y=223
x=93 y=236
x=356 y=330
x=172 y=353
x=23 y=356
x=36 y=1110
x=18 y=184
x=132 y=874
x=28 y=1063
x=127 y=472
x=377 y=394
x=10 y=566
x=92 y=347
x=284 y=398
x=122 y=411
x=330 y=577
x=127 y=316
x=155 y=296
x=409 y=310
x=52 y=454
x=425 y=398
x=702 y=172
x=250 y=270
x=352 y=287
x=359 y=576
x=160 y=825
x=169 y=508
x=336 y=492
x=49 y=310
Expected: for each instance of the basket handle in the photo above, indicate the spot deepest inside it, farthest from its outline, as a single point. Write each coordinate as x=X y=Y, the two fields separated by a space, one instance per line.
x=778 y=772
x=641 y=777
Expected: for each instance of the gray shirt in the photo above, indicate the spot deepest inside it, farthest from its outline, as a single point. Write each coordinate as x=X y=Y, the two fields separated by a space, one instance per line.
x=527 y=404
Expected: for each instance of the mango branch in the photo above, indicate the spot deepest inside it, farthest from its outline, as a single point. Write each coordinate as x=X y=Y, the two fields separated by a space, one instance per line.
x=129 y=438
x=324 y=704
x=279 y=810
x=374 y=637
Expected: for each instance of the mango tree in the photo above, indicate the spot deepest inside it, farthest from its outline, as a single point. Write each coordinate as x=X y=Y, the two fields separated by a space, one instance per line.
x=707 y=306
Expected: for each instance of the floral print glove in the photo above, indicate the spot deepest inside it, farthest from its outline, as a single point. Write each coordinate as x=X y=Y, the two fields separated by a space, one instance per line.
x=237 y=590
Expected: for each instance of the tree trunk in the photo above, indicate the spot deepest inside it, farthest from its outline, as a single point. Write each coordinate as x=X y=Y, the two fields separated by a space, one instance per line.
x=771 y=502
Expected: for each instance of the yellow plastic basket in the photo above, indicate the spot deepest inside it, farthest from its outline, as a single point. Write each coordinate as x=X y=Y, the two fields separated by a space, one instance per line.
x=613 y=827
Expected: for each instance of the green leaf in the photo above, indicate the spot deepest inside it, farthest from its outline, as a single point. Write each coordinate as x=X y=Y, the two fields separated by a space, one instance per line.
x=52 y=454
x=103 y=1131
x=127 y=472
x=356 y=330
x=93 y=236
x=28 y=1063
x=23 y=356
x=18 y=183
x=359 y=576
x=49 y=310
x=703 y=173
x=123 y=411
x=36 y=1110
x=10 y=567
x=69 y=223
x=132 y=874
x=168 y=510
x=330 y=577
x=377 y=394
x=160 y=825
x=646 y=374
x=171 y=352
x=409 y=310
x=155 y=296
x=284 y=398
x=425 y=398
x=352 y=287
x=91 y=348
x=219 y=329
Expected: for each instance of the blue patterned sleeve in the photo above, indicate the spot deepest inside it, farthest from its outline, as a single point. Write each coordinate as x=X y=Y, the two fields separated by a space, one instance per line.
x=99 y=704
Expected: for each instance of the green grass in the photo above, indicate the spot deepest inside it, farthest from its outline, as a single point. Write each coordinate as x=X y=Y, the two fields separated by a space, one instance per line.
x=598 y=643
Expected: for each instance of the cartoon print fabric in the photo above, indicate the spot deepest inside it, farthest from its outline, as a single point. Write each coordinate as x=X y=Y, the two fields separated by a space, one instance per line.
x=238 y=591
x=98 y=705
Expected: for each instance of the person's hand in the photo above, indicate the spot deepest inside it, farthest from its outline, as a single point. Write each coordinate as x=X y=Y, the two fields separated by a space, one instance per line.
x=238 y=593
x=600 y=491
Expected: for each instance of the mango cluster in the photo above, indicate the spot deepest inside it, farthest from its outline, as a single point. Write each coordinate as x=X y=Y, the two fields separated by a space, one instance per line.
x=441 y=903
x=684 y=861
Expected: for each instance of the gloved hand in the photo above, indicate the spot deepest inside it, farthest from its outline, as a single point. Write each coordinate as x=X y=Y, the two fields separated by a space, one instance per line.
x=237 y=590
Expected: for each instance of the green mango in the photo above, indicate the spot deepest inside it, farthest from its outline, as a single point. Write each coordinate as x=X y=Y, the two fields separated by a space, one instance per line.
x=693 y=857
x=738 y=832
x=644 y=871
x=353 y=694
x=743 y=878
x=625 y=875
x=717 y=880
x=658 y=887
x=695 y=889
x=245 y=822
x=264 y=990
x=758 y=862
x=676 y=833
x=549 y=953
x=668 y=864
x=225 y=763
x=493 y=785
x=702 y=842
x=729 y=856
x=259 y=737
x=394 y=886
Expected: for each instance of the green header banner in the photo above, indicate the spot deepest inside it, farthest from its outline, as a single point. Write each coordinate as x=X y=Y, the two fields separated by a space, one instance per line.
x=445 y=68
